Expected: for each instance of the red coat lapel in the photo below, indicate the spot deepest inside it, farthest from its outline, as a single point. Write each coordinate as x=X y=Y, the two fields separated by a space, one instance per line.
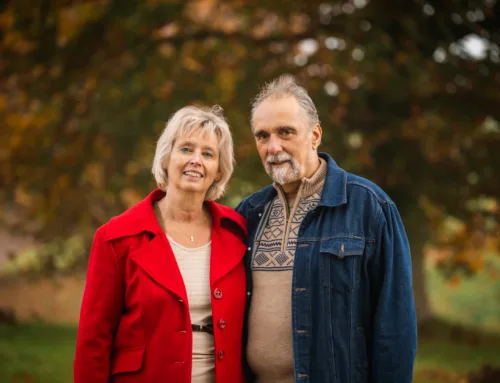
x=156 y=256
x=157 y=259
x=228 y=241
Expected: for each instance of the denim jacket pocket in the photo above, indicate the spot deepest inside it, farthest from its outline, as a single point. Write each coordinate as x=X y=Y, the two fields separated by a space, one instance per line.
x=343 y=247
x=341 y=262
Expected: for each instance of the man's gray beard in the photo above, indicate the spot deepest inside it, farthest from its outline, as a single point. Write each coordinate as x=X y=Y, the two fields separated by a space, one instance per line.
x=286 y=173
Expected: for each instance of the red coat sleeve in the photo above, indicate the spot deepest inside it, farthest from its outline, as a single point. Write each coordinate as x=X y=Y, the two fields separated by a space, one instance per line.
x=100 y=313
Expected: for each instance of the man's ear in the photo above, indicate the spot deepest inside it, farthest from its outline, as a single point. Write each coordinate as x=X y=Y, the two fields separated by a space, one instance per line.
x=317 y=133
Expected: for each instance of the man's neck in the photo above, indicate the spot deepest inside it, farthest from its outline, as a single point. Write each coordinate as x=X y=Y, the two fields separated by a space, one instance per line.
x=292 y=188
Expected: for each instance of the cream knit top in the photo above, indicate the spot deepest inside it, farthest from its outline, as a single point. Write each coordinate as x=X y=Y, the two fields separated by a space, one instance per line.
x=194 y=264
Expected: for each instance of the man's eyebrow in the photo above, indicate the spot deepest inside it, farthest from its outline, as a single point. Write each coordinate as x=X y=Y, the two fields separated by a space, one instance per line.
x=287 y=127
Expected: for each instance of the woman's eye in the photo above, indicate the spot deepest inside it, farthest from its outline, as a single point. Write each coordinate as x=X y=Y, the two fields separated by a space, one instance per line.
x=208 y=154
x=185 y=150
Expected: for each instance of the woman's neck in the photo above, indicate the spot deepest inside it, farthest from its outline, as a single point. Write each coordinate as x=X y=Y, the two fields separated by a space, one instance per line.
x=182 y=207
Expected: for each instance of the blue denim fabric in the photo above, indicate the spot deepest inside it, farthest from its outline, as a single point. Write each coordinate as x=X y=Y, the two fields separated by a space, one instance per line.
x=353 y=313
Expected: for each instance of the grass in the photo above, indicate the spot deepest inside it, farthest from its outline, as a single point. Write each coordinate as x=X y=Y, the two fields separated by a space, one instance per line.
x=43 y=353
x=36 y=353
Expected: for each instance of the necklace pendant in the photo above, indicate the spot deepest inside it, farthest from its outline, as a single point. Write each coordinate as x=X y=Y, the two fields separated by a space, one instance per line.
x=191 y=238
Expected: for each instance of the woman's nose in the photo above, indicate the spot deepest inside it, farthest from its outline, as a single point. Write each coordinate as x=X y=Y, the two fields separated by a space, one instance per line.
x=195 y=159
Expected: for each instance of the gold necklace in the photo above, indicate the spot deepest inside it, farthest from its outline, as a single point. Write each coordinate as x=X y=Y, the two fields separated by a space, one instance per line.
x=191 y=237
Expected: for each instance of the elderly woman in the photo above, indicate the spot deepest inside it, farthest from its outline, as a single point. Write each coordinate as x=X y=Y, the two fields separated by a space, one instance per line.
x=165 y=292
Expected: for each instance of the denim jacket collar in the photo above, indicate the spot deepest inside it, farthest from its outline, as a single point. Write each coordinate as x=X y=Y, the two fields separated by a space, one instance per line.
x=334 y=190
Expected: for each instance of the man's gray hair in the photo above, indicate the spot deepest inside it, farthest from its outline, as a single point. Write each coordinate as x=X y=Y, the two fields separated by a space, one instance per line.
x=283 y=86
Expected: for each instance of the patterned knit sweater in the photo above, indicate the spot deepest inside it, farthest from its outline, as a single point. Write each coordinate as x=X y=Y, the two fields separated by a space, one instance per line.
x=269 y=351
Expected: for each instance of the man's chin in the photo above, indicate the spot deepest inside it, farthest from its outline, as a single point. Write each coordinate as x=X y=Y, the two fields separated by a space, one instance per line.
x=285 y=179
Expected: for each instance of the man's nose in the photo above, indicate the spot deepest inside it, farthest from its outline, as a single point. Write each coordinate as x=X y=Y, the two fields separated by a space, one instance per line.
x=274 y=145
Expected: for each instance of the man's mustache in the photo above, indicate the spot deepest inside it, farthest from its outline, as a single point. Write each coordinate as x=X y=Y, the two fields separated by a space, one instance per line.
x=280 y=157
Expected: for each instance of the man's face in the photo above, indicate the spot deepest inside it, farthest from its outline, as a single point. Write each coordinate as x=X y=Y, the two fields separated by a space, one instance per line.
x=286 y=145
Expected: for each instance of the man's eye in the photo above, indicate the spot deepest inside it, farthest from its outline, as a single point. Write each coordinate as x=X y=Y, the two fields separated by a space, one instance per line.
x=260 y=136
x=286 y=132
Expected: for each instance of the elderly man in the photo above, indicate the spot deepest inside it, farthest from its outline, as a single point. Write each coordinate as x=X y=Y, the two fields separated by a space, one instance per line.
x=329 y=295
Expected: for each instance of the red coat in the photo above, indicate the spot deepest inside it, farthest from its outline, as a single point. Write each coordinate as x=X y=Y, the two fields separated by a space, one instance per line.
x=134 y=321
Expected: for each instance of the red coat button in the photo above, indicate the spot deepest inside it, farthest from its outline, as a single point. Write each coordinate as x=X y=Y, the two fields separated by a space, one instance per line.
x=218 y=293
x=222 y=324
x=220 y=354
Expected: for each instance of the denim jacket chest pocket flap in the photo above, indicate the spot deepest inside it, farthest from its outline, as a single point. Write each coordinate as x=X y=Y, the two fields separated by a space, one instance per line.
x=341 y=262
x=343 y=247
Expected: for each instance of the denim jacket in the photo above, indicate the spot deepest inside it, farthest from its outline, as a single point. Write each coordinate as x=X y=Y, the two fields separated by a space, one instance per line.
x=353 y=313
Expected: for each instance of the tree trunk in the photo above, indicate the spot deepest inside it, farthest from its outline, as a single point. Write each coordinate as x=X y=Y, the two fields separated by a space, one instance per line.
x=416 y=226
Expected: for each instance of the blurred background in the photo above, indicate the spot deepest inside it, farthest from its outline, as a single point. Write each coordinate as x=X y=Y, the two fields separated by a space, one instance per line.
x=408 y=95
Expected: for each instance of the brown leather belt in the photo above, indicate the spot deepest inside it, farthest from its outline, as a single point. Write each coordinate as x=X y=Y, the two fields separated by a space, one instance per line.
x=208 y=328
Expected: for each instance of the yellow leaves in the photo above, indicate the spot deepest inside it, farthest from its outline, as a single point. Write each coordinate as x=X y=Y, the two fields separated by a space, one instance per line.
x=166 y=50
x=90 y=84
x=7 y=18
x=492 y=244
x=494 y=274
x=191 y=64
x=165 y=90
x=3 y=102
x=16 y=42
x=115 y=93
x=55 y=71
x=37 y=71
x=432 y=211
x=226 y=82
x=201 y=11
x=132 y=168
x=22 y=197
x=401 y=58
x=168 y=30
x=94 y=174
x=454 y=281
x=17 y=121
x=62 y=182
x=103 y=147
x=130 y=197
x=73 y=18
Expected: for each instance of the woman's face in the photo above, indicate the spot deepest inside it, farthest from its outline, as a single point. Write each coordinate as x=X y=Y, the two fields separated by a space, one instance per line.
x=194 y=162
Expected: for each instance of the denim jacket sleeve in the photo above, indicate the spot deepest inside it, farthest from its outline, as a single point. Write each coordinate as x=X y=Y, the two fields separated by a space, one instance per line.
x=394 y=323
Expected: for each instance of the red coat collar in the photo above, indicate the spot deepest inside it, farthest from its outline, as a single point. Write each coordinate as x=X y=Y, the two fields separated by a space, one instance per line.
x=141 y=217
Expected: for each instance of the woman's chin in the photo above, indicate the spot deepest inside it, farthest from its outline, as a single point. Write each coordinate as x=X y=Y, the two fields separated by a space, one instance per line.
x=192 y=188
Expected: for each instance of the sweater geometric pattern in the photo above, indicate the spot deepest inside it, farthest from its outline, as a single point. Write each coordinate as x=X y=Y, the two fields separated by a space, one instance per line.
x=272 y=254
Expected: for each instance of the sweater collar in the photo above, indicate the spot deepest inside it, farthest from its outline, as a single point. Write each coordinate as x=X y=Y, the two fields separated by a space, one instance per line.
x=309 y=186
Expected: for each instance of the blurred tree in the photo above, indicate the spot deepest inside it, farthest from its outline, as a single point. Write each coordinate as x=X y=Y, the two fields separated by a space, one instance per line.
x=407 y=93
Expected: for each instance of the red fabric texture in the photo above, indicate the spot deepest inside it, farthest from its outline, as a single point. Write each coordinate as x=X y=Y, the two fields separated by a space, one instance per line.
x=134 y=321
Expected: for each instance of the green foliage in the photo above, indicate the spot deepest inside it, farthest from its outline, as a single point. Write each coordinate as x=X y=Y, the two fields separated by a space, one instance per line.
x=86 y=88
x=60 y=254
x=471 y=302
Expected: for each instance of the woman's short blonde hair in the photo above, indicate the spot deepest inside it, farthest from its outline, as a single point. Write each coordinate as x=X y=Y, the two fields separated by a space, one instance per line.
x=184 y=122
